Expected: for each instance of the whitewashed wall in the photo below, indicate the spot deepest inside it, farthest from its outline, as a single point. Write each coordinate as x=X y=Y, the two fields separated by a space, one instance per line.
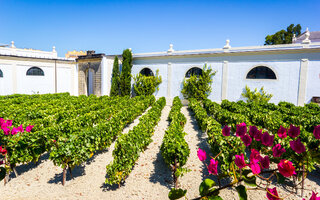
x=15 y=79
x=285 y=66
x=35 y=84
x=284 y=88
x=65 y=81
x=6 y=83
x=313 y=80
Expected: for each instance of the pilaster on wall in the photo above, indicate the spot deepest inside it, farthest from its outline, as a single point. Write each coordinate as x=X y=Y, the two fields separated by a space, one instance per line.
x=303 y=81
x=224 y=86
x=169 y=78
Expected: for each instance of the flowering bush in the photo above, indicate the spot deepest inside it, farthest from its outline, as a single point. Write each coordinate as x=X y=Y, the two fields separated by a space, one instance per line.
x=245 y=155
x=10 y=135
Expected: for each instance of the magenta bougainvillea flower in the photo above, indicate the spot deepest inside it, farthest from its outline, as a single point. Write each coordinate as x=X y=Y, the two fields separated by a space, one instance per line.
x=29 y=128
x=314 y=196
x=255 y=156
x=272 y=194
x=294 y=131
x=253 y=131
x=14 y=131
x=9 y=122
x=286 y=168
x=265 y=162
x=267 y=139
x=213 y=167
x=297 y=146
x=20 y=128
x=3 y=151
x=316 y=132
x=226 y=130
x=6 y=131
x=239 y=160
x=278 y=150
x=282 y=132
x=202 y=155
x=4 y=125
x=241 y=129
x=246 y=139
x=258 y=135
x=255 y=168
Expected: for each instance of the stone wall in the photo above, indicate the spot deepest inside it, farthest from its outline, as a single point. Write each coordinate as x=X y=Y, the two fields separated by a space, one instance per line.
x=82 y=76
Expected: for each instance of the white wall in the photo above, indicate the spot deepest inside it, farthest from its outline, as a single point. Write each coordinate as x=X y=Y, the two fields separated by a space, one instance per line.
x=15 y=79
x=284 y=88
x=35 y=84
x=64 y=79
x=313 y=80
x=6 y=83
x=285 y=66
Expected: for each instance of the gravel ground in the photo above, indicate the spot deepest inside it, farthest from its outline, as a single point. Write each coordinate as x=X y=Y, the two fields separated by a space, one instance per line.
x=150 y=178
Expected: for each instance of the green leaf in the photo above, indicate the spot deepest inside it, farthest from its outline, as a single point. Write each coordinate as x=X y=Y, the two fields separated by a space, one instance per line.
x=280 y=178
x=242 y=191
x=214 y=198
x=205 y=186
x=249 y=180
x=2 y=173
x=176 y=193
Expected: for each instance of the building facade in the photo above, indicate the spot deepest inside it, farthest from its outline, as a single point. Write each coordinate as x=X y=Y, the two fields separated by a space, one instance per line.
x=28 y=71
x=290 y=72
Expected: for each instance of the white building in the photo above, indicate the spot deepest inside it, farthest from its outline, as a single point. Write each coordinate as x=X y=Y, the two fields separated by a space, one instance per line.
x=290 y=72
x=27 y=71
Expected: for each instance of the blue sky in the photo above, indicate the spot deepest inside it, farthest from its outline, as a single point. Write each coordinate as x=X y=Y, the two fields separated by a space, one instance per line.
x=147 y=26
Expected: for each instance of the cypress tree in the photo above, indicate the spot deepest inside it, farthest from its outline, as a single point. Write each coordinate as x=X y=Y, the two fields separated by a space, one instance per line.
x=125 y=77
x=115 y=87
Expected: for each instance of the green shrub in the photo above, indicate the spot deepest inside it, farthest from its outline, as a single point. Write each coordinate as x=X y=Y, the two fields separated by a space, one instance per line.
x=255 y=96
x=198 y=87
x=146 y=85
x=115 y=87
x=125 y=76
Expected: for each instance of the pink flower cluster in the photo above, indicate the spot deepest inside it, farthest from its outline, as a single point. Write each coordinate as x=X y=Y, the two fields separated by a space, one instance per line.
x=6 y=124
x=213 y=166
x=254 y=133
x=267 y=140
x=257 y=162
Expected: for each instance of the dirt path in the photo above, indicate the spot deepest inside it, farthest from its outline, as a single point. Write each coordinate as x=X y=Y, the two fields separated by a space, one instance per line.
x=195 y=139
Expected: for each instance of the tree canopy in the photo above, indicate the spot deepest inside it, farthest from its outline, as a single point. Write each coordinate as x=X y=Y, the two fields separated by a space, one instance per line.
x=283 y=36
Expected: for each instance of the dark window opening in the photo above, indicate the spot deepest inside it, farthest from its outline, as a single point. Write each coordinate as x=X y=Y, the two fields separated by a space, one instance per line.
x=261 y=72
x=1 y=73
x=194 y=71
x=146 y=72
x=35 y=71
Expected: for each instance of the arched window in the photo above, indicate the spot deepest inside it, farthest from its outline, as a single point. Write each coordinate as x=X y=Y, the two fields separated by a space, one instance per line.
x=1 y=73
x=35 y=71
x=194 y=71
x=261 y=72
x=146 y=72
